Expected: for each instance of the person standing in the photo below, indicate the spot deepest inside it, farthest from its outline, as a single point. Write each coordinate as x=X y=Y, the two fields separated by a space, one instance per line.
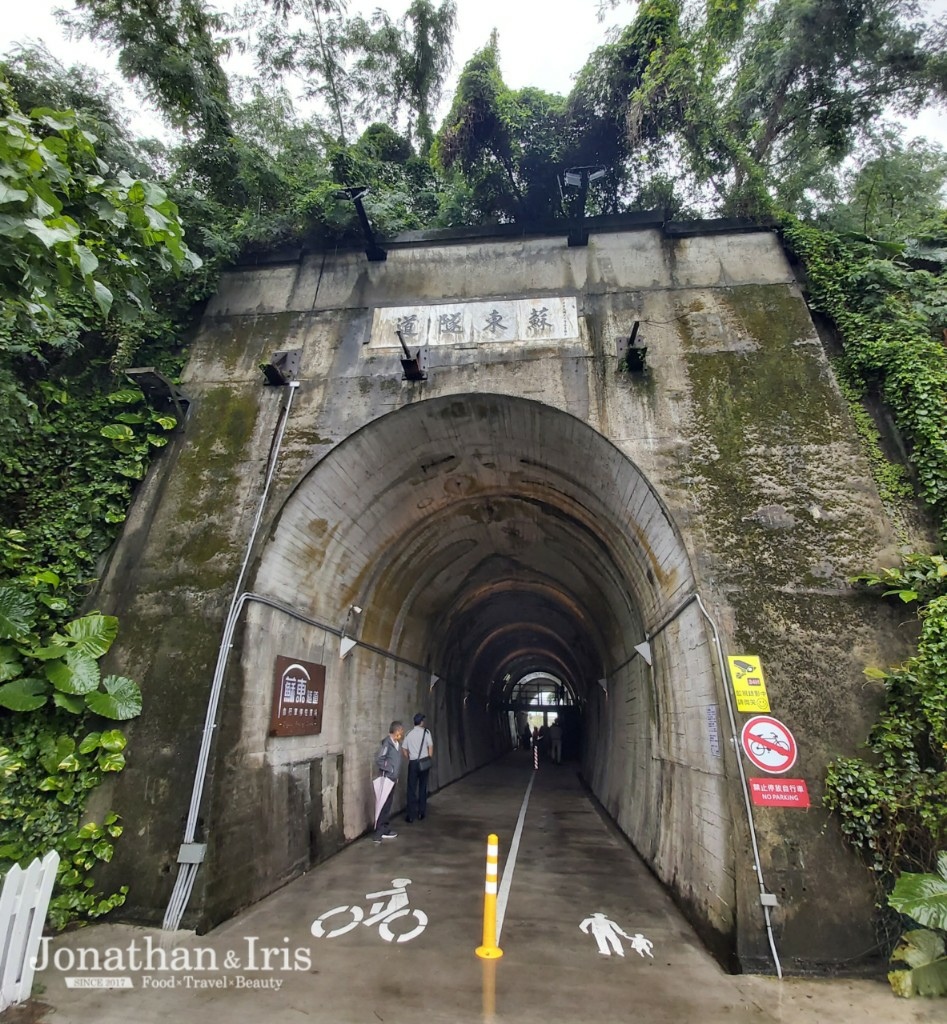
x=388 y=763
x=555 y=742
x=418 y=749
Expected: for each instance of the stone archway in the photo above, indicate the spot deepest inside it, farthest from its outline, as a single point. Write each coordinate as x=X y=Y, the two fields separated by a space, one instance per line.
x=481 y=534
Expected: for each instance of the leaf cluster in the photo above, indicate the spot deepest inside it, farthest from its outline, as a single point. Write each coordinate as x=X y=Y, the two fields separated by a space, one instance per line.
x=923 y=898
x=47 y=775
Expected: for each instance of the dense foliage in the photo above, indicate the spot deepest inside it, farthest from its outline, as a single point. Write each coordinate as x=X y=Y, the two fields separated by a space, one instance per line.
x=85 y=244
x=892 y=803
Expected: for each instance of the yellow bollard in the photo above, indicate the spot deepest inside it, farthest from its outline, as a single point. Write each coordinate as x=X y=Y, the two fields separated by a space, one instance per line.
x=489 y=950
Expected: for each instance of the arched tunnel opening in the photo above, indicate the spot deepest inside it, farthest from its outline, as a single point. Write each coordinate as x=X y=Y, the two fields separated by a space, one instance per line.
x=506 y=560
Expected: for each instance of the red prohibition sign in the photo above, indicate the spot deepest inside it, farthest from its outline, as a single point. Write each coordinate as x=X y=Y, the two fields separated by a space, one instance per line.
x=769 y=744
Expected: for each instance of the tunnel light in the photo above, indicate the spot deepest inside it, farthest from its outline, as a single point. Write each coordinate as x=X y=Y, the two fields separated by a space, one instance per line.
x=346 y=643
x=644 y=650
x=604 y=685
x=580 y=178
x=434 y=681
x=283 y=367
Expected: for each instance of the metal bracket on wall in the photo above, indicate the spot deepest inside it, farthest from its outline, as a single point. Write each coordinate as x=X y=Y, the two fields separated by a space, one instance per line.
x=282 y=367
x=160 y=392
x=413 y=366
x=631 y=353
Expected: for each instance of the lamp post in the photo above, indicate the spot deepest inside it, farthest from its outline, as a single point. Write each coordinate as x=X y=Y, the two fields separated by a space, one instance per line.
x=581 y=178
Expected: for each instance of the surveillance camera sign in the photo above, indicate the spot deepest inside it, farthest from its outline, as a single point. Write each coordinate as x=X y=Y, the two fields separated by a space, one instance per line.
x=746 y=674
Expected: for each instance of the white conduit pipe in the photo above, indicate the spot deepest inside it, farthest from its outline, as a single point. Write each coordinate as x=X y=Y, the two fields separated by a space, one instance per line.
x=187 y=871
x=746 y=790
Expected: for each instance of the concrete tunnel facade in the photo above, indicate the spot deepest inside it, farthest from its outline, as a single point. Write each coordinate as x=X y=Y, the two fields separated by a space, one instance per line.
x=529 y=508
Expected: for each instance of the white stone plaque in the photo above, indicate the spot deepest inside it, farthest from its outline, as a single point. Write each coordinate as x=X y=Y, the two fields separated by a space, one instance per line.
x=510 y=321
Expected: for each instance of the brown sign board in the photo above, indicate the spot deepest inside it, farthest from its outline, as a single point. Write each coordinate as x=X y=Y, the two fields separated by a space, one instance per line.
x=298 y=695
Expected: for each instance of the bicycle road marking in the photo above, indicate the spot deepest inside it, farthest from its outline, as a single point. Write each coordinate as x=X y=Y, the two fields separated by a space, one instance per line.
x=379 y=914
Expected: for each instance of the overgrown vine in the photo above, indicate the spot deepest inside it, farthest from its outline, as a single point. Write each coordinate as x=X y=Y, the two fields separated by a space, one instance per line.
x=68 y=489
x=892 y=803
x=86 y=245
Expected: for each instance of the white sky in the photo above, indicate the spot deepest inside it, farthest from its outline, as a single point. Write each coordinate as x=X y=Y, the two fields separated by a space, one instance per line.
x=544 y=51
x=542 y=43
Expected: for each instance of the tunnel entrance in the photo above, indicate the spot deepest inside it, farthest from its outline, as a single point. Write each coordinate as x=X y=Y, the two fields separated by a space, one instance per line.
x=506 y=560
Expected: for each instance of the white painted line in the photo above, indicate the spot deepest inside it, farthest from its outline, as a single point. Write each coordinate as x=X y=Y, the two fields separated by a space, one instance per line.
x=507 y=880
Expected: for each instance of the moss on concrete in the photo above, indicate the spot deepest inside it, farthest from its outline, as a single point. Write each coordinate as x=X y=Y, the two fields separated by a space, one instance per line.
x=234 y=340
x=774 y=445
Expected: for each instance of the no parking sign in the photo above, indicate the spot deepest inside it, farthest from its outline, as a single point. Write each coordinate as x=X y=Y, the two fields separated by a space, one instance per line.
x=769 y=744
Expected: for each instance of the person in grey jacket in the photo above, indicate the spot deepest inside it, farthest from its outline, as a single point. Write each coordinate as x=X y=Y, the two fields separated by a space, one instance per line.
x=388 y=763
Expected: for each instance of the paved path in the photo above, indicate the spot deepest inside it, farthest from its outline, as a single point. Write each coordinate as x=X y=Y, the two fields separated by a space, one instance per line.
x=570 y=864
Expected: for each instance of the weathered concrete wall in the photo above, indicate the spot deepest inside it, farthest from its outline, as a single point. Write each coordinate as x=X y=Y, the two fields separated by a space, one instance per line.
x=529 y=505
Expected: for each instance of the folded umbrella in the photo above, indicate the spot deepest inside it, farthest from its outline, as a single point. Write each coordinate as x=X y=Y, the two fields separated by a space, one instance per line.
x=382 y=787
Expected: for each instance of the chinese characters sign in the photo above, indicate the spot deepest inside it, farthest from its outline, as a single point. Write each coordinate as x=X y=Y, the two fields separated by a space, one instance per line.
x=298 y=695
x=713 y=730
x=474 y=323
x=784 y=793
x=746 y=674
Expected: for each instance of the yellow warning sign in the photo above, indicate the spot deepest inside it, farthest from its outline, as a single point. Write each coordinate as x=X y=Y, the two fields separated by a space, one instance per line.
x=746 y=674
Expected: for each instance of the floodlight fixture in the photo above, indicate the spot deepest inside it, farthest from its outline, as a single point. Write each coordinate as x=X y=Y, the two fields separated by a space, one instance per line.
x=581 y=178
x=631 y=351
x=282 y=368
x=346 y=643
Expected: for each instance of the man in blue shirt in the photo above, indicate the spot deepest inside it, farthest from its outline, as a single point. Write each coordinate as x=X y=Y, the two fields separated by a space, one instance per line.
x=418 y=748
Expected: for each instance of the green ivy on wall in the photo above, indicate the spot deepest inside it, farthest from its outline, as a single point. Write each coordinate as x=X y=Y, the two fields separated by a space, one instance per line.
x=892 y=803
x=66 y=488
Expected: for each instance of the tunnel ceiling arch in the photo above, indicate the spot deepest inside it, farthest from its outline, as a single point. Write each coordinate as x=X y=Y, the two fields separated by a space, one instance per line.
x=483 y=535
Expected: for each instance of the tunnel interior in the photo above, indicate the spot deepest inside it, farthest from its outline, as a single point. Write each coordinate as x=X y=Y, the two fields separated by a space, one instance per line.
x=487 y=537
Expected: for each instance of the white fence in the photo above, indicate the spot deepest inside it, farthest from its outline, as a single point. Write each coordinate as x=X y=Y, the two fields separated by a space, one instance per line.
x=23 y=904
